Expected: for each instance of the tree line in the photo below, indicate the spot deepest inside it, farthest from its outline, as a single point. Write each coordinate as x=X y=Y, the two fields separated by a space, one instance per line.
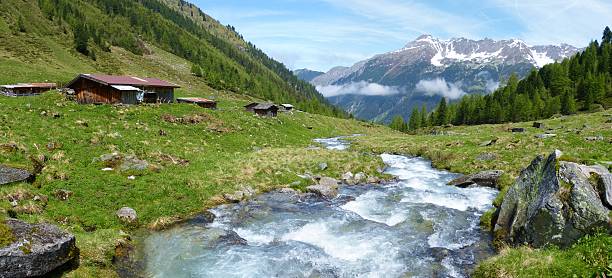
x=582 y=82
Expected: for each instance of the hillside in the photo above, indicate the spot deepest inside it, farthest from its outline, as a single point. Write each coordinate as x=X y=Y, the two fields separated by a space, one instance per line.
x=55 y=39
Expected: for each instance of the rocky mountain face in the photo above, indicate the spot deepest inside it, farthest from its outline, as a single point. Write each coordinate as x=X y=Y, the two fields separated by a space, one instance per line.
x=427 y=69
x=306 y=74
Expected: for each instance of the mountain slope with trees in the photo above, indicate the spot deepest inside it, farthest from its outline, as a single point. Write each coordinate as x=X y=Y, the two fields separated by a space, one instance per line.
x=222 y=58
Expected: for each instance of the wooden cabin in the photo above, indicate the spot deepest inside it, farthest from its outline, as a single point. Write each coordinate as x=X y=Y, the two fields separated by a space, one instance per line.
x=266 y=109
x=26 y=89
x=202 y=102
x=109 y=89
x=249 y=107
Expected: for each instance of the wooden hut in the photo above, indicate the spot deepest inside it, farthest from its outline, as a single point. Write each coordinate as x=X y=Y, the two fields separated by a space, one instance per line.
x=249 y=107
x=97 y=88
x=26 y=89
x=266 y=109
x=202 y=102
x=285 y=107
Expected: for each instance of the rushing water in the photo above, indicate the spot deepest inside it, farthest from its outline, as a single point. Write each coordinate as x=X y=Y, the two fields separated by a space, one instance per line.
x=416 y=227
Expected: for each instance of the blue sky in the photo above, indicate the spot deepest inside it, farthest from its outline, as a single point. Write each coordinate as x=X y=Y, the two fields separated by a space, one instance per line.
x=320 y=34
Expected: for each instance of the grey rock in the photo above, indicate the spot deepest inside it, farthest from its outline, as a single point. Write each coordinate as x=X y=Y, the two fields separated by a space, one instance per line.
x=245 y=193
x=10 y=175
x=487 y=157
x=489 y=143
x=545 y=135
x=131 y=162
x=14 y=203
x=322 y=166
x=594 y=138
x=37 y=250
x=327 y=188
x=373 y=180
x=545 y=206
x=517 y=130
x=348 y=178
x=127 y=215
x=360 y=177
x=604 y=187
x=484 y=178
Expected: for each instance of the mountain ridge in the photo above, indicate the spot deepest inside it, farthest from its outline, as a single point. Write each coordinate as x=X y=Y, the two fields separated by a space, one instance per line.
x=428 y=68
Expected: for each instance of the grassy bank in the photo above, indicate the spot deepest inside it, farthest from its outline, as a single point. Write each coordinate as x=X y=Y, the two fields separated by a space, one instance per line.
x=194 y=155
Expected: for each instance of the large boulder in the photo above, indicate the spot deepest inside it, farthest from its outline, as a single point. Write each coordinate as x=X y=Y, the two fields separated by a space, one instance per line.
x=327 y=188
x=484 y=178
x=37 y=250
x=10 y=175
x=551 y=202
x=127 y=215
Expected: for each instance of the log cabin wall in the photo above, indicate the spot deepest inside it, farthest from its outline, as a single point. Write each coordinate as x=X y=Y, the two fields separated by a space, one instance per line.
x=88 y=91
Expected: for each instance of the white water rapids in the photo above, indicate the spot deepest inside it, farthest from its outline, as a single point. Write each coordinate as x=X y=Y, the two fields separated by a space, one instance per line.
x=416 y=227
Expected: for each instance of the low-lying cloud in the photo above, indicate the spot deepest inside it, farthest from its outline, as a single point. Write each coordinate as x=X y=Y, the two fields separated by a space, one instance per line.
x=439 y=87
x=358 y=88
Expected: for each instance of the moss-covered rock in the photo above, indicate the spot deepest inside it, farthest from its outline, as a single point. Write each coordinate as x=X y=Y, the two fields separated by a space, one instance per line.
x=551 y=202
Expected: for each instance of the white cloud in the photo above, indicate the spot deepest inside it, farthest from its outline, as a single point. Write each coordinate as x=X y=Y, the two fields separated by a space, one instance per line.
x=440 y=87
x=491 y=85
x=358 y=88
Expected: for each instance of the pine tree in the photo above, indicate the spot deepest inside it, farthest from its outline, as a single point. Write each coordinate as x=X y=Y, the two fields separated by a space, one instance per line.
x=81 y=39
x=397 y=123
x=415 y=119
x=441 y=113
x=607 y=36
x=568 y=104
x=424 y=116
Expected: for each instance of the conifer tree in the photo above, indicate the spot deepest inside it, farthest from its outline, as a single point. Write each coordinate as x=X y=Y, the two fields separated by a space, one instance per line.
x=441 y=112
x=397 y=123
x=568 y=104
x=415 y=119
x=81 y=39
x=424 y=116
x=607 y=36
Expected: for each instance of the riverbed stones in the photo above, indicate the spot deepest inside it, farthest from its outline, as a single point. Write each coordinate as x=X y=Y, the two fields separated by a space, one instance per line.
x=484 y=178
x=127 y=214
x=551 y=202
x=359 y=178
x=244 y=193
x=327 y=188
x=10 y=175
x=37 y=250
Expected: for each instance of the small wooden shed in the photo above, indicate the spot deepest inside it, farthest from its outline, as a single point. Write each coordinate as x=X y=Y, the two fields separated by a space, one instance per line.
x=202 y=102
x=103 y=89
x=266 y=109
x=286 y=107
x=26 y=89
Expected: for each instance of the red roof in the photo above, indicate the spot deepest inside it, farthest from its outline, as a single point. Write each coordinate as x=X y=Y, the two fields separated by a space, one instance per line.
x=126 y=80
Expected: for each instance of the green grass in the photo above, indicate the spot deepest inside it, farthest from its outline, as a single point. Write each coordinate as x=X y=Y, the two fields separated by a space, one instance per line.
x=589 y=257
x=6 y=234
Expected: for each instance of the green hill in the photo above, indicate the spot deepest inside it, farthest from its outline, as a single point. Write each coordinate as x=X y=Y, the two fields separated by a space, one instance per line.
x=56 y=39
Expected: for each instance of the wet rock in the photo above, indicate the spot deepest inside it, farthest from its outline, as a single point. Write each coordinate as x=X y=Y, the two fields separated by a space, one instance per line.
x=484 y=178
x=10 y=175
x=327 y=188
x=373 y=180
x=216 y=236
x=62 y=194
x=37 y=250
x=360 y=177
x=348 y=178
x=546 y=135
x=206 y=217
x=245 y=193
x=127 y=214
x=486 y=157
x=549 y=206
x=323 y=166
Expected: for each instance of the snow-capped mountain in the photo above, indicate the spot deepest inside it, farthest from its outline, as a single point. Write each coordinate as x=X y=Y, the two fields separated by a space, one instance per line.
x=427 y=68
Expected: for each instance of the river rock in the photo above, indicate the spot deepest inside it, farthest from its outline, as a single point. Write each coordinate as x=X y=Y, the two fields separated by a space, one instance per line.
x=360 y=177
x=127 y=214
x=484 y=178
x=549 y=206
x=348 y=178
x=10 y=175
x=37 y=250
x=327 y=188
x=245 y=193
